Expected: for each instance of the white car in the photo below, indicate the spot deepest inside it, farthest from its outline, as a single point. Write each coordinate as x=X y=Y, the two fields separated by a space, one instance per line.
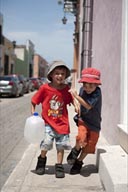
x=11 y=86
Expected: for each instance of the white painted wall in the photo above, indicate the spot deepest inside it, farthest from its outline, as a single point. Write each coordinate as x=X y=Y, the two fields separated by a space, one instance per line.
x=107 y=28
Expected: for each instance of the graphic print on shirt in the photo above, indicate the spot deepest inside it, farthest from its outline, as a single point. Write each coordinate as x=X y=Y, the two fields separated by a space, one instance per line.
x=56 y=107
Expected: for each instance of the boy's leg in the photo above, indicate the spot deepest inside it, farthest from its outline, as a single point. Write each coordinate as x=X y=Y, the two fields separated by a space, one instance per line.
x=82 y=156
x=62 y=143
x=78 y=164
x=59 y=169
x=41 y=163
x=80 y=142
x=45 y=145
x=89 y=148
x=71 y=158
x=76 y=167
x=60 y=155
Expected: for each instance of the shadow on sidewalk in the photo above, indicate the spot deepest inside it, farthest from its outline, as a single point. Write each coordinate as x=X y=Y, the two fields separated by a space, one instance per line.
x=89 y=169
x=86 y=171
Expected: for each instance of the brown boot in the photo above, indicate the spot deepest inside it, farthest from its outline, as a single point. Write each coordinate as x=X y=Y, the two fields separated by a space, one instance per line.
x=76 y=168
x=59 y=171
x=73 y=156
x=40 y=167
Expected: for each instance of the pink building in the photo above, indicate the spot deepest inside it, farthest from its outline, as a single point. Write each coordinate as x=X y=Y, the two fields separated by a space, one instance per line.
x=103 y=44
x=40 y=67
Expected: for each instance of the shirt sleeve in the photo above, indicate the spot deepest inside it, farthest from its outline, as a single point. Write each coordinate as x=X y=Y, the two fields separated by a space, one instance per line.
x=38 y=96
x=68 y=98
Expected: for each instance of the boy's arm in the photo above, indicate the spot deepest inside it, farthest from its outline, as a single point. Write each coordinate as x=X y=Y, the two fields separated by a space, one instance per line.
x=33 y=107
x=76 y=105
x=81 y=101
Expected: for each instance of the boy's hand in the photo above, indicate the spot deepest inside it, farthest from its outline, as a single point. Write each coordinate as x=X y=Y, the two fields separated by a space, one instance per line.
x=77 y=109
x=73 y=92
x=76 y=103
x=77 y=106
x=33 y=106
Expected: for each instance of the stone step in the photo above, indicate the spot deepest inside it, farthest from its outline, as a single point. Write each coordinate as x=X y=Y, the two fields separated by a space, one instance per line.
x=112 y=163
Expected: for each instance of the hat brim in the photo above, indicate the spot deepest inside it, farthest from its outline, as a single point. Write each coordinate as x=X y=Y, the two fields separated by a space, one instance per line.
x=54 y=66
x=90 y=80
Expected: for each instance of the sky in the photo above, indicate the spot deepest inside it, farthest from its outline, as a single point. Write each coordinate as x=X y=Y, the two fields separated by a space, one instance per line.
x=41 y=22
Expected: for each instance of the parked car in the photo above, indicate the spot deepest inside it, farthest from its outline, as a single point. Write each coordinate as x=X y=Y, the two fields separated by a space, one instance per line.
x=22 y=80
x=31 y=85
x=11 y=86
x=36 y=81
x=44 y=80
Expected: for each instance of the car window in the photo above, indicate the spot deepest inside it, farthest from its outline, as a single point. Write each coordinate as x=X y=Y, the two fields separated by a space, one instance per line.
x=5 y=78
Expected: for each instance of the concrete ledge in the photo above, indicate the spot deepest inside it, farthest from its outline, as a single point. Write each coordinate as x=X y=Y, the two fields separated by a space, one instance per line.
x=123 y=136
x=112 y=162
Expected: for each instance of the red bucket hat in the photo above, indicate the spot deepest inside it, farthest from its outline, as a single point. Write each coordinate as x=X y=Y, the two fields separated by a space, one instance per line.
x=90 y=75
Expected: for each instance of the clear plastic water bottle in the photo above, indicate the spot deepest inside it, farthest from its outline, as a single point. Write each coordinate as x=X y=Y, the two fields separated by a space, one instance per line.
x=34 y=129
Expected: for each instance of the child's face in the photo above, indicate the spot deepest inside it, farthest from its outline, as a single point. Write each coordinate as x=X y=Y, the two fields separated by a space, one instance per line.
x=58 y=75
x=89 y=87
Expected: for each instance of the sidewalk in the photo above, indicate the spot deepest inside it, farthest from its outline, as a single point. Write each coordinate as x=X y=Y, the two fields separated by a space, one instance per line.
x=23 y=179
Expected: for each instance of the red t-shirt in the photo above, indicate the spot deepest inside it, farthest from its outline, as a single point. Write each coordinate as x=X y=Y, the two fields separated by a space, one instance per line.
x=54 y=107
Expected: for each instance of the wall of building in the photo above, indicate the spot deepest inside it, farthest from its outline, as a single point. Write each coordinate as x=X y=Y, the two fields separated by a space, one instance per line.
x=21 y=66
x=1 y=42
x=40 y=67
x=7 y=57
x=107 y=24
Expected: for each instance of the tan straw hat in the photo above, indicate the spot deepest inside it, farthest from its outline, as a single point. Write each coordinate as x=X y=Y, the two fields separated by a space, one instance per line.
x=57 y=64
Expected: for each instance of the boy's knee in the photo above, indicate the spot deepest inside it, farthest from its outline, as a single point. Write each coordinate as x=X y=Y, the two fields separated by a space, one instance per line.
x=89 y=149
x=46 y=147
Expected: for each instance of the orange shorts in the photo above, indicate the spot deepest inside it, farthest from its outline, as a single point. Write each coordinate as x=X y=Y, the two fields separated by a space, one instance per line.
x=86 y=138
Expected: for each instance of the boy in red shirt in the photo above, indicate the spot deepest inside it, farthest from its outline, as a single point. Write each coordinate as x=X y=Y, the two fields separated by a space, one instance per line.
x=54 y=98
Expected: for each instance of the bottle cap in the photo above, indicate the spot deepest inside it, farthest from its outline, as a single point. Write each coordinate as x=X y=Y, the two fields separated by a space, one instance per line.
x=35 y=114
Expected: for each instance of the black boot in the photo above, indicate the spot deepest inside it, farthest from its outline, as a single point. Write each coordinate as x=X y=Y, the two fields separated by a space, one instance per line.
x=59 y=171
x=40 y=168
x=76 y=167
x=73 y=156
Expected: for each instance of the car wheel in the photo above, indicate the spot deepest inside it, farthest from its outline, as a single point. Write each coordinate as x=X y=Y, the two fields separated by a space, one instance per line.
x=22 y=93
x=16 y=94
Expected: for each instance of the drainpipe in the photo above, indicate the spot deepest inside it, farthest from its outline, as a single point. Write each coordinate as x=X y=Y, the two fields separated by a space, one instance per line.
x=87 y=25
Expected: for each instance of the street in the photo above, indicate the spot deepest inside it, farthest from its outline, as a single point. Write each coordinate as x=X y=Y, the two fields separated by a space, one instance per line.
x=13 y=113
